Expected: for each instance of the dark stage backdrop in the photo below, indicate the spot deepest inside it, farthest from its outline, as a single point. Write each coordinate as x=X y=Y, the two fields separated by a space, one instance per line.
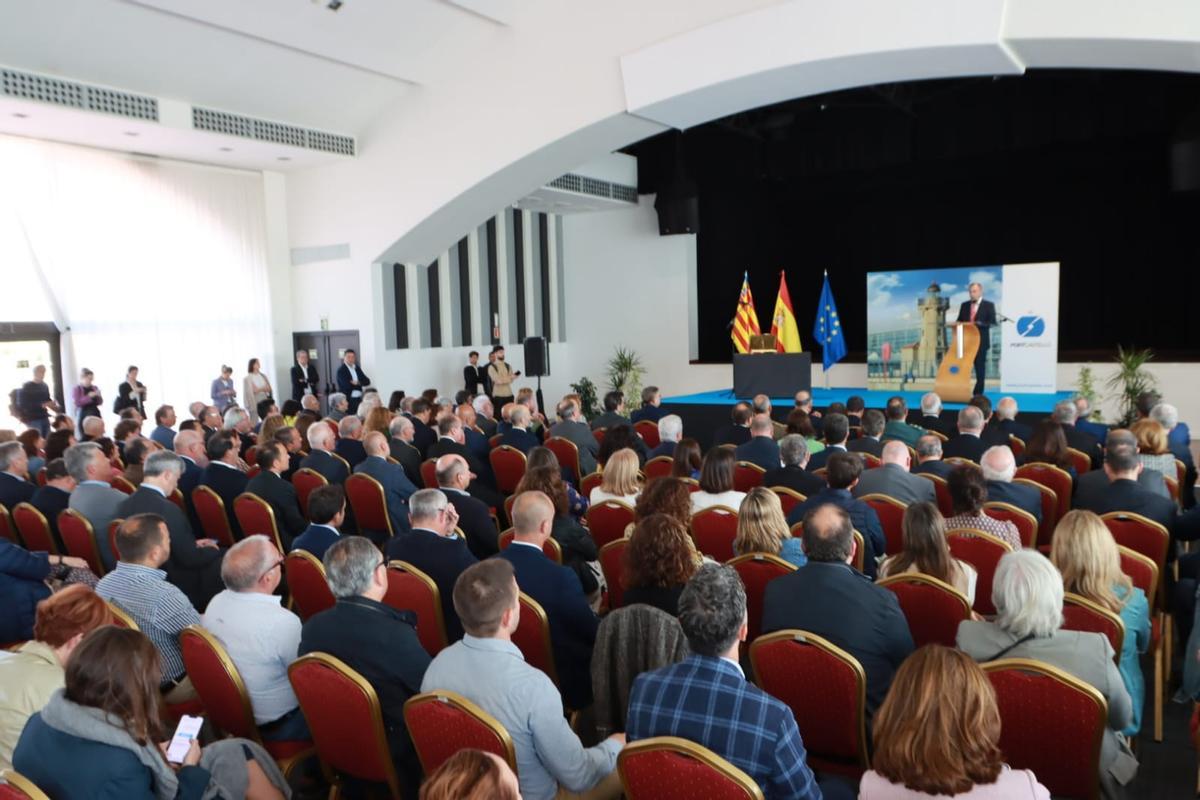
x=1071 y=167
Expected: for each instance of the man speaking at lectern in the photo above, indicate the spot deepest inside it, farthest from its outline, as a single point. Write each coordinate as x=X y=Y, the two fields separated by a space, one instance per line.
x=983 y=314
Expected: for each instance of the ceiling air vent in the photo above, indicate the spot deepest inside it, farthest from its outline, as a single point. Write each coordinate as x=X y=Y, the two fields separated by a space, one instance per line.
x=595 y=187
x=207 y=119
x=59 y=92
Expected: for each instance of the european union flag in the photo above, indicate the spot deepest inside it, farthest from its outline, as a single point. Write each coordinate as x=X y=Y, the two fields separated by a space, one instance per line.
x=828 y=328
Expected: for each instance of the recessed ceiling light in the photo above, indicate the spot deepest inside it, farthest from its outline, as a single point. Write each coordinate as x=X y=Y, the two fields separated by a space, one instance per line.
x=19 y=115
x=283 y=158
x=131 y=133
x=226 y=149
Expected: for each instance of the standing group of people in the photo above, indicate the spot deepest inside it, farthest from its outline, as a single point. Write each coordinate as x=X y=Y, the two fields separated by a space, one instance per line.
x=495 y=379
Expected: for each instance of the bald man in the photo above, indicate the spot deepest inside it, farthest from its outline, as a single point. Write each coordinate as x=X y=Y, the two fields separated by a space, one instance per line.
x=189 y=445
x=894 y=479
x=761 y=450
x=397 y=488
x=453 y=477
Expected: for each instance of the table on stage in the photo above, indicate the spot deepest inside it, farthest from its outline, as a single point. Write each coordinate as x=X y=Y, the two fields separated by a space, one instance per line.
x=772 y=374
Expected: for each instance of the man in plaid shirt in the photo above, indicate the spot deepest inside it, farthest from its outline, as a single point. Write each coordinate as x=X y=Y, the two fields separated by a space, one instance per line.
x=706 y=698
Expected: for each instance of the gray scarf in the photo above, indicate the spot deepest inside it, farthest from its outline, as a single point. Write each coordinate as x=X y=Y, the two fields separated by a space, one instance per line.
x=224 y=760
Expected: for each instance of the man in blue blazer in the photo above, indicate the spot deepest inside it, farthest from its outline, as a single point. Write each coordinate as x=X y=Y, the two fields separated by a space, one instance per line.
x=351 y=380
x=326 y=513
x=999 y=467
x=844 y=472
x=518 y=436
x=670 y=431
x=651 y=406
x=223 y=474
x=397 y=488
x=433 y=547
x=761 y=450
x=573 y=624
x=320 y=455
x=189 y=445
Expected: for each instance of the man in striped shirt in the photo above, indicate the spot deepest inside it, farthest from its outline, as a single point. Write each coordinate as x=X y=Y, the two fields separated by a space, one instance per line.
x=159 y=608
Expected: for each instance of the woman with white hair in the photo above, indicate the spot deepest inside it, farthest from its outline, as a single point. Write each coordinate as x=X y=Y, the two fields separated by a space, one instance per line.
x=1028 y=594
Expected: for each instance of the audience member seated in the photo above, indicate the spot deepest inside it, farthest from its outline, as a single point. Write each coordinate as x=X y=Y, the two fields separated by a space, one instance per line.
x=619 y=437
x=136 y=452
x=164 y=423
x=488 y=669
x=1153 y=451
x=803 y=402
x=659 y=560
x=23 y=584
x=189 y=446
x=614 y=411
x=993 y=434
x=801 y=424
x=375 y=640
x=291 y=441
x=925 y=551
x=1094 y=483
x=1028 y=594
x=1065 y=413
x=578 y=548
x=397 y=488
x=670 y=431
x=518 y=436
x=929 y=457
x=894 y=479
x=760 y=449
x=716 y=482
x=34 y=671
x=1125 y=493
x=754 y=731
x=103 y=734
x=320 y=455
x=1006 y=420
x=830 y=598
x=668 y=496
x=400 y=445
x=339 y=406
x=54 y=498
x=793 y=455
x=999 y=468
x=192 y=564
x=452 y=440
x=433 y=547
x=619 y=481
x=925 y=746
x=542 y=456
x=326 y=514
x=931 y=415
x=424 y=435
x=967 y=443
x=844 y=471
x=56 y=444
x=737 y=432
x=224 y=474
x=897 y=426
x=270 y=485
x=485 y=415
x=871 y=440
x=472 y=775
x=349 y=444
x=33 y=443
x=126 y=431
x=687 y=460
x=1179 y=442
x=1086 y=554
x=92 y=428
x=968 y=493
x=558 y=589
x=473 y=517
x=854 y=410
x=93 y=496
x=762 y=528
x=572 y=427
x=14 y=473
x=1048 y=445
x=473 y=438
x=837 y=431
x=260 y=635
x=142 y=589
x=651 y=406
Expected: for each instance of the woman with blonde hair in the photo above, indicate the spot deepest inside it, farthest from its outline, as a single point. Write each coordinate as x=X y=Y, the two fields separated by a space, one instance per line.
x=270 y=425
x=926 y=745
x=925 y=550
x=762 y=528
x=1086 y=554
x=1153 y=450
x=379 y=420
x=619 y=481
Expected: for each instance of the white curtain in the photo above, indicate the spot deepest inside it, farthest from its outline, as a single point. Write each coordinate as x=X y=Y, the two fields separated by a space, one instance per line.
x=145 y=262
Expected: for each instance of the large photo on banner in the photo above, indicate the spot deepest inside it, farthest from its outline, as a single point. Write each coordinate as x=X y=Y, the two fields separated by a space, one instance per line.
x=912 y=313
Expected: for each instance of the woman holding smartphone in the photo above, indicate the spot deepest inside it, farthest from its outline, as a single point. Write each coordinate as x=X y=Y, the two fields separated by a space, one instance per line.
x=101 y=736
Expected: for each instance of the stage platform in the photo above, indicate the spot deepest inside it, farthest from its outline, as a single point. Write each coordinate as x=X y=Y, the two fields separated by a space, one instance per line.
x=1032 y=403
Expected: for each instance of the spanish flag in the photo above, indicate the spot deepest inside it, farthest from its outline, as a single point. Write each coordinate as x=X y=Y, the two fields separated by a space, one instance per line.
x=745 y=322
x=783 y=322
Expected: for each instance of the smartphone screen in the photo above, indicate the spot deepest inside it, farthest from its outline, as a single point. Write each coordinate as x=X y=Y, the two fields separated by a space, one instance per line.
x=189 y=728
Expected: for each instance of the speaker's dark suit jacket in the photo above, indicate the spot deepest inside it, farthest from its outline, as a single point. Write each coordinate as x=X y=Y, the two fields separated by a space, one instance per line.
x=302 y=379
x=760 y=450
x=573 y=624
x=228 y=482
x=794 y=478
x=442 y=559
x=985 y=318
x=1023 y=497
x=475 y=522
x=964 y=445
x=195 y=570
x=1085 y=443
x=868 y=622
x=352 y=450
x=474 y=378
x=320 y=461
x=282 y=497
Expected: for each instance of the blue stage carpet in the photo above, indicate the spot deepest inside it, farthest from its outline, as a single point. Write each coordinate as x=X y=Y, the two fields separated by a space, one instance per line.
x=1036 y=403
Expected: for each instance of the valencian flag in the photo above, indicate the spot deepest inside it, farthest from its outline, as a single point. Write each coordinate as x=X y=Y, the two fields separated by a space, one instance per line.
x=745 y=322
x=828 y=329
x=783 y=321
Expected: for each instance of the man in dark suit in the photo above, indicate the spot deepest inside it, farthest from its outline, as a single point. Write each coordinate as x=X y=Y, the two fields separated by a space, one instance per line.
x=571 y=426
x=837 y=430
x=982 y=313
x=351 y=380
x=401 y=448
x=326 y=513
x=844 y=471
x=999 y=467
x=829 y=598
x=433 y=547
x=452 y=441
x=738 y=430
x=14 y=472
x=1093 y=484
x=1083 y=409
x=224 y=475
x=871 y=441
x=993 y=434
x=967 y=444
x=1065 y=413
x=929 y=457
x=670 y=431
x=803 y=401
x=270 y=486
x=397 y=488
x=485 y=415
x=573 y=624
x=320 y=455
x=1006 y=420
x=473 y=437
x=55 y=497
x=195 y=564
x=931 y=415
x=893 y=478
x=517 y=436
x=476 y=523
x=289 y=439
x=761 y=449
x=1179 y=443
x=855 y=406
x=474 y=376
x=651 y=406
x=349 y=444
x=304 y=377
x=422 y=420
x=793 y=453
x=375 y=640
x=1125 y=494
x=614 y=412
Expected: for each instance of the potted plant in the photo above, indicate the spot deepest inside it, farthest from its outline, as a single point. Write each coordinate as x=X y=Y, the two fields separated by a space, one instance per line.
x=1131 y=380
x=625 y=371
x=587 y=397
x=1085 y=386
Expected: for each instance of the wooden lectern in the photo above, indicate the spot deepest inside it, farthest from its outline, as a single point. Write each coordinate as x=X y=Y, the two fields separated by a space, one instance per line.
x=954 y=382
x=762 y=343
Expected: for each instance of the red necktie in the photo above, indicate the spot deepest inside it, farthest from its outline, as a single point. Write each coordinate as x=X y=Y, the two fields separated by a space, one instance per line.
x=974 y=308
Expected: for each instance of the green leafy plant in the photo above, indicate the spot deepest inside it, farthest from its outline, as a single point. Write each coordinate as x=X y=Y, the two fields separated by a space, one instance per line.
x=1131 y=380
x=587 y=397
x=625 y=371
x=1085 y=386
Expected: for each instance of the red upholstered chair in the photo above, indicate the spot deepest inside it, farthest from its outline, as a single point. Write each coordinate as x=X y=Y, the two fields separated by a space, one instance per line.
x=1080 y=460
x=871 y=461
x=983 y=552
x=1051 y=723
x=746 y=476
x=256 y=518
x=304 y=481
x=1049 y=510
x=253 y=471
x=692 y=484
x=532 y=637
x=210 y=509
x=659 y=467
x=1142 y=535
x=306 y=581
x=788 y=498
x=1027 y=524
x=20 y=788
x=177 y=498
x=942 y=490
x=589 y=482
x=226 y=701
x=508 y=464
x=932 y=607
x=550 y=547
x=79 y=539
x=1144 y=574
x=369 y=502
x=343 y=713
x=649 y=433
x=34 y=529
x=508 y=505
x=441 y=723
x=121 y=484
x=891 y=517
x=567 y=454
x=612 y=564
x=826 y=688
x=756 y=571
x=670 y=768
x=1081 y=614
x=1054 y=478
x=599 y=435
x=607 y=521
x=410 y=589
x=494 y=441
x=112 y=537
x=7 y=530
x=959 y=461
x=333 y=426
x=713 y=531
x=1172 y=487
x=121 y=617
x=429 y=473
x=1017 y=445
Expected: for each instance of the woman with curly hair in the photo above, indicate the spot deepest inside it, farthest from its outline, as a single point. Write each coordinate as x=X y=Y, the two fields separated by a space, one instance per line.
x=579 y=551
x=687 y=460
x=659 y=561
x=668 y=496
